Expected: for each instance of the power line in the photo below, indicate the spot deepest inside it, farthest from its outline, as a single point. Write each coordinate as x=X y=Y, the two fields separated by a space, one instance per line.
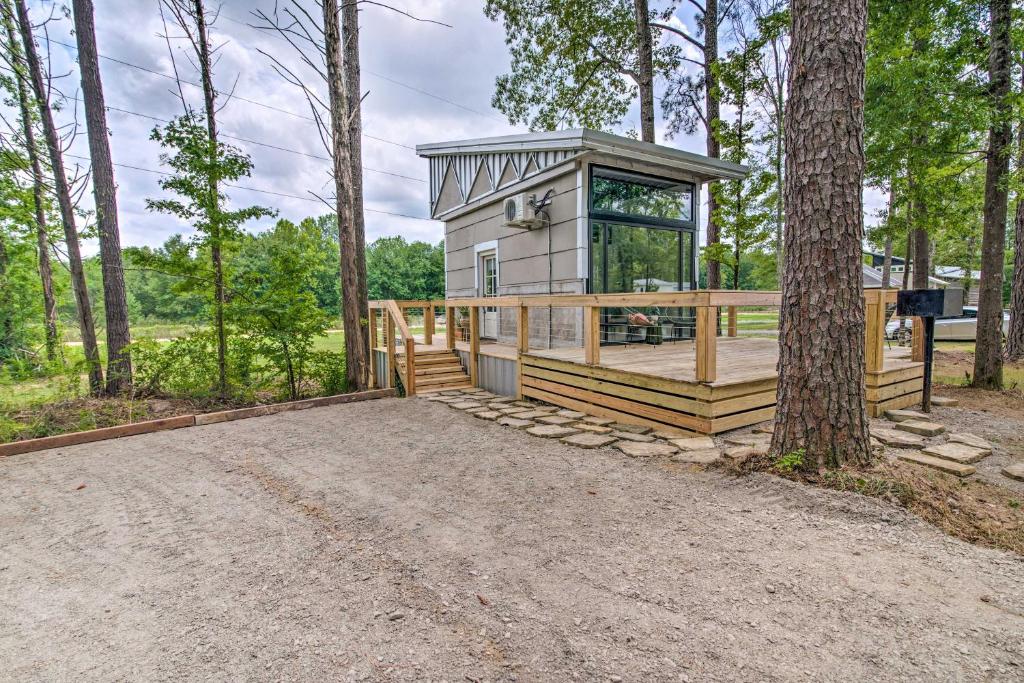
x=256 y=189
x=389 y=79
x=234 y=96
x=254 y=142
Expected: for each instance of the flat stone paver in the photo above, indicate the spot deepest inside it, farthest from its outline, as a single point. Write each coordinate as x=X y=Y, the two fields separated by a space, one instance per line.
x=704 y=456
x=957 y=452
x=512 y=410
x=970 y=440
x=765 y=428
x=630 y=436
x=574 y=414
x=944 y=402
x=466 y=405
x=479 y=409
x=635 y=449
x=487 y=414
x=588 y=440
x=596 y=429
x=904 y=415
x=698 y=443
x=941 y=464
x=532 y=414
x=551 y=431
x=1015 y=471
x=891 y=437
x=630 y=428
x=669 y=434
x=921 y=427
x=748 y=440
x=556 y=420
x=600 y=421
x=515 y=422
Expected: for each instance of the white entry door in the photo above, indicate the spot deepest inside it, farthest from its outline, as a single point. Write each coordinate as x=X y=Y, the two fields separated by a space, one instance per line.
x=489 y=287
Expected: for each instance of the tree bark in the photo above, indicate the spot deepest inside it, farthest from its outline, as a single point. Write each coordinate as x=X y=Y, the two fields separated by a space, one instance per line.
x=52 y=344
x=67 y=209
x=988 y=357
x=115 y=299
x=216 y=238
x=821 y=405
x=712 y=114
x=353 y=298
x=645 y=70
x=358 y=359
x=1015 y=337
x=7 y=349
x=887 y=264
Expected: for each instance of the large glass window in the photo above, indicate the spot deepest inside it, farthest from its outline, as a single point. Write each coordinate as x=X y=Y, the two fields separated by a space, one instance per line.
x=627 y=258
x=626 y=194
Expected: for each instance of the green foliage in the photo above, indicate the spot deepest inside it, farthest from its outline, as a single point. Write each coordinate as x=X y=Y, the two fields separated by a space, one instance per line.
x=276 y=306
x=572 y=62
x=396 y=269
x=791 y=461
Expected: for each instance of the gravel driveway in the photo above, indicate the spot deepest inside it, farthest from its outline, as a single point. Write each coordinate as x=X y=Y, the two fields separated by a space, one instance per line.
x=400 y=540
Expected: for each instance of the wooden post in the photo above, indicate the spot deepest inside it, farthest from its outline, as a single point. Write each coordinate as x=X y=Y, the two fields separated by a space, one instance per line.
x=732 y=321
x=707 y=353
x=428 y=324
x=523 y=330
x=389 y=339
x=410 y=367
x=474 y=345
x=449 y=327
x=371 y=320
x=874 y=331
x=917 y=340
x=592 y=335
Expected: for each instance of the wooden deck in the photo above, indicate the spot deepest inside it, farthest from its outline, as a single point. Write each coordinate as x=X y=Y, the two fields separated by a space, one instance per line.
x=710 y=385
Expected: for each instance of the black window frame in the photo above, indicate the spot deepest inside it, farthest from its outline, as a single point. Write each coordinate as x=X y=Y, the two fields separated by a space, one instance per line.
x=597 y=216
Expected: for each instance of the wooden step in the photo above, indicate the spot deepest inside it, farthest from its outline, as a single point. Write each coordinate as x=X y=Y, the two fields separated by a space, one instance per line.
x=438 y=369
x=436 y=360
x=432 y=354
x=432 y=380
x=433 y=389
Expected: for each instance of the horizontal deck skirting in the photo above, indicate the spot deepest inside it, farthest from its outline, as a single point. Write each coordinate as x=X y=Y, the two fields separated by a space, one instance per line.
x=655 y=401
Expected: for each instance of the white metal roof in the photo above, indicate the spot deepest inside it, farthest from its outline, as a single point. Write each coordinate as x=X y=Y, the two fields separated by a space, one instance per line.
x=463 y=161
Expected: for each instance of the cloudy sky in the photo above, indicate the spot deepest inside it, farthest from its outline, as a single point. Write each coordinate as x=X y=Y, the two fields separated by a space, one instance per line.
x=423 y=83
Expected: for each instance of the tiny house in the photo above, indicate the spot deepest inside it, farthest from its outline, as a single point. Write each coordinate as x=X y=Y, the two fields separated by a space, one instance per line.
x=568 y=212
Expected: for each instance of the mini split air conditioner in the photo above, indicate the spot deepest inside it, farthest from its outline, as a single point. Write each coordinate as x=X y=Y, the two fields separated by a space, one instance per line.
x=520 y=214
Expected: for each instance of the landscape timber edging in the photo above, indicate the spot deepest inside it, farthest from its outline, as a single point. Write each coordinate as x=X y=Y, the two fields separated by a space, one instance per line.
x=270 y=409
x=180 y=421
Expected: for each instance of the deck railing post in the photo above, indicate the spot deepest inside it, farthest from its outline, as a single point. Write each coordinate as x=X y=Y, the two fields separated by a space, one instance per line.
x=389 y=338
x=732 y=321
x=523 y=329
x=474 y=345
x=449 y=327
x=917 y=340
x=707 y=352
x=410 y=367
x=592 y=335
x=522 y=344
x=428 y=324
x=874 y=330
x=371 y=323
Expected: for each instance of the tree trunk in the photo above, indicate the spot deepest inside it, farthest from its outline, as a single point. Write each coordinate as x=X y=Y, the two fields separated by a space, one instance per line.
x=115 y=299
x=1015 y=337
x=216 y=238
x=780 y=262
x=53 y=348
x=352 y=296
x=821 y=405
x=67 y=209
x=358 y=356
x=645 y=70
x=988 y=357
x=887 y=264
x=7 y=349
x=712 y=114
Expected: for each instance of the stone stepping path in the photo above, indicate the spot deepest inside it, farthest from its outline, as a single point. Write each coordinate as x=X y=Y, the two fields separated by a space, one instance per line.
x=957 y=452
x=578 y=429
x=941 y=464
x=920 y=427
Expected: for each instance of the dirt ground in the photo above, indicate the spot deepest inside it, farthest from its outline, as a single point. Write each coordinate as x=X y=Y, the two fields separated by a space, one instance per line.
x=402 y=540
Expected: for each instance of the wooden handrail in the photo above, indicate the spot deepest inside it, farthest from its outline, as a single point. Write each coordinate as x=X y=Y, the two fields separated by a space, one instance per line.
x=396 y=320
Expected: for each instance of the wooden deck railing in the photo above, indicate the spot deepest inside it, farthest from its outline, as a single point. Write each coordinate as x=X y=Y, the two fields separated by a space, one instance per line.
x=707 y=304
x=393 y=313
